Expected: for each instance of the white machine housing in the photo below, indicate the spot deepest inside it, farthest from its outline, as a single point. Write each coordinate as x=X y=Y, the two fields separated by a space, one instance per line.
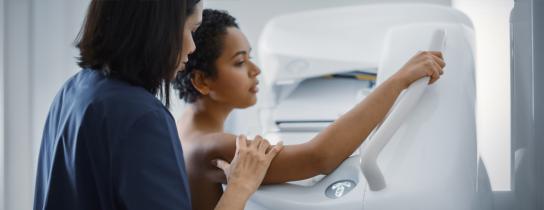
x=430 y=163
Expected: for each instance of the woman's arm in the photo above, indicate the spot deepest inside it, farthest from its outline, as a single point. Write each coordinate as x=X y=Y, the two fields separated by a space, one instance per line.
x=323 y=153
x=294 y=162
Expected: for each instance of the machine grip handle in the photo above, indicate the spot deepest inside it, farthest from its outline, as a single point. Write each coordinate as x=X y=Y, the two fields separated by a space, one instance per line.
x=383 y=132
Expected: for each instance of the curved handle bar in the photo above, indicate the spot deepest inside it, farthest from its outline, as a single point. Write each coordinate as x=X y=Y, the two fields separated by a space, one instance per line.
x=383 y=133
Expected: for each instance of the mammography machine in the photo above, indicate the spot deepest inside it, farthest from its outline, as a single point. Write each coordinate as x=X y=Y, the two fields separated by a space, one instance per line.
x=423 y=155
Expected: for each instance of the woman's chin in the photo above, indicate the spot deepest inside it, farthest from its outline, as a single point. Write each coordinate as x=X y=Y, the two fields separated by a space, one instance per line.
x=249 y=103
x=173 y=77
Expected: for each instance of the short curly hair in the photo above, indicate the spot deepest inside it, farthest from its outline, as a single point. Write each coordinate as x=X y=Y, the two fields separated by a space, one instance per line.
x=209 y=38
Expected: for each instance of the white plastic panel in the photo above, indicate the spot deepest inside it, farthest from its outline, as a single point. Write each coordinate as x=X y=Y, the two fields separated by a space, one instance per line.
x=527 y=30
x=394 y=119
x=313 y=197
x=320 y=100
x=339 y=39
x=2 y=185
x=431 y=161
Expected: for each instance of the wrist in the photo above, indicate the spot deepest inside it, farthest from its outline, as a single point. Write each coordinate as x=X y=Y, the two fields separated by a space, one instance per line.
x=240 y=190
x=234 y=197
x=398 y=82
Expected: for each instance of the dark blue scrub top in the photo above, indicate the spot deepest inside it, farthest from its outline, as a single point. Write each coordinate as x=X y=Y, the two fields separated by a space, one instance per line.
x=109 y=145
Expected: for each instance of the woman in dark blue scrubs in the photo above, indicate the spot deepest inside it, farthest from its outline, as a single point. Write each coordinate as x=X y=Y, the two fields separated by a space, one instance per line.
x=108 y=142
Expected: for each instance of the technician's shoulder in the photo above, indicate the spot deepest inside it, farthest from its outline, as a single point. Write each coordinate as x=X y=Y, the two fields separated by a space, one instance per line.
x=119 y=99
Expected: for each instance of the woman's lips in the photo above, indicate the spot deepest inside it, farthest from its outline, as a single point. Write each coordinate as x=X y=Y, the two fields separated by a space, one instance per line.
x=183 y=66
x=255 y=88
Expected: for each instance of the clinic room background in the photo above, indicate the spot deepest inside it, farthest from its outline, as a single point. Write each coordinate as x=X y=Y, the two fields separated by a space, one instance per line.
x=38 y=56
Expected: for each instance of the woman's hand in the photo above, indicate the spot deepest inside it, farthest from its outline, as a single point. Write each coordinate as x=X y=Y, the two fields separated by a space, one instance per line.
x=251 y=161
x=423 y=64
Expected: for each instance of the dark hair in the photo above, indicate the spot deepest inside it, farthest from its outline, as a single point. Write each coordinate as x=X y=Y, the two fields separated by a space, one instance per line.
x=209 y=38
x=137 y=41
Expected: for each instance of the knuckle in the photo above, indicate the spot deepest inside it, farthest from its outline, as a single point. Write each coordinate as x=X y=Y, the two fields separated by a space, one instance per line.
x=245 y=151
x=255 y=153
x=430 y=72
x=428 y=63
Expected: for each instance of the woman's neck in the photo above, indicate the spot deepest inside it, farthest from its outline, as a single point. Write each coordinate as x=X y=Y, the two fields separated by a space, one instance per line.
x=207 y=115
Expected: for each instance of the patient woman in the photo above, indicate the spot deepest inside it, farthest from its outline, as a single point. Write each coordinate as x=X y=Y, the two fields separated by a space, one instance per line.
x=221 y=77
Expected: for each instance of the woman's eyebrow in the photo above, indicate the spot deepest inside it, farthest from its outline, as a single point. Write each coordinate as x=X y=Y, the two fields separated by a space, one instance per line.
x=241 y=52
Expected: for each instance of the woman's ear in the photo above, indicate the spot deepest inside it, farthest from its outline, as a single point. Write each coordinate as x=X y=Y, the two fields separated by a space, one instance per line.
x=199 y=81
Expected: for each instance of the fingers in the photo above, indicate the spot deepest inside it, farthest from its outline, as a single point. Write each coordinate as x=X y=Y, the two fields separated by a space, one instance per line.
x=223 y=165
x=434 y=63
x=437 y=71
x=241 y=142
x=256 y=142
x=274 y=151
x=260 y=144
x=439 y=61
x=437 y=54
x=263 y=144
x=250 y=165
x=435 y=74
x=263 y=147
x=440 y=69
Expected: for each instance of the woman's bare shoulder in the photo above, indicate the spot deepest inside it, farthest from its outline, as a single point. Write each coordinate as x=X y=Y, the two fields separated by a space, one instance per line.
x=209 y=146
x=200 y=150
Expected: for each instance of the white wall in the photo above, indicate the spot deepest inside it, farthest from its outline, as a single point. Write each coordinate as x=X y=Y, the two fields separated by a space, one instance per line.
x=18 y=153
x=252 y=15
x=2 y=11
x=39 y=57
x=56 y=24
x=491 y=21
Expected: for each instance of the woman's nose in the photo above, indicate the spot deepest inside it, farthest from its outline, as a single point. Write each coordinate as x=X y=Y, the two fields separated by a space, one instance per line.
x=255 y=71
x=192 y=47
x=189 y=45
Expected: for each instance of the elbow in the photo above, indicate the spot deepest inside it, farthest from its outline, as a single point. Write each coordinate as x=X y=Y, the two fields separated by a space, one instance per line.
x=328 y=168
x=326 y=162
